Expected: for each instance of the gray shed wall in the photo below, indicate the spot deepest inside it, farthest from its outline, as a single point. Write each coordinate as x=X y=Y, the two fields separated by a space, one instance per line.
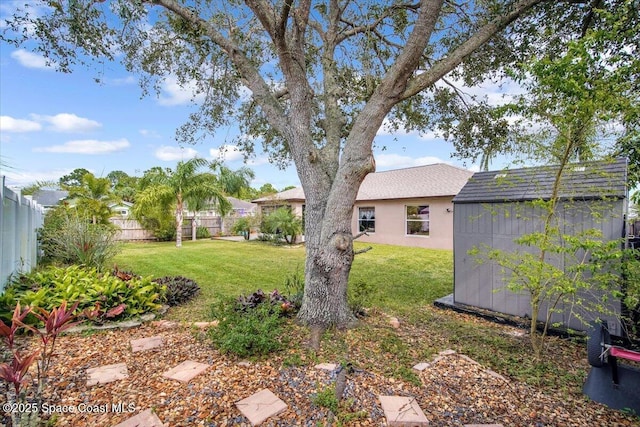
x=497 y=225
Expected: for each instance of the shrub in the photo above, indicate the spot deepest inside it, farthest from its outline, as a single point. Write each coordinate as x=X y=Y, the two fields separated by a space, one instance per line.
x=282 y=222
x=359 y=297
x=178 y=289
x=48 y=288
x=202 y=233
x=54 y=221
x=275 y=300
x=294 y=288
x=72 y=240
x=327 y=398
x=255 y=332
x=242 y=226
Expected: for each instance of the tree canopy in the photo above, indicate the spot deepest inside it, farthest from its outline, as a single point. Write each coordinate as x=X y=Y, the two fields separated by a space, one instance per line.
x=315 y=80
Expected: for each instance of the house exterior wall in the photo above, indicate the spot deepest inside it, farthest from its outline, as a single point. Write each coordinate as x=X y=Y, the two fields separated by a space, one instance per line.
x=390 y=222
x=497 y=225
x=296 y=206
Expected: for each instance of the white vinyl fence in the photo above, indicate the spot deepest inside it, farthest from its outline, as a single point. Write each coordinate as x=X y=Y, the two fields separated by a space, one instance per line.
x=19 y=220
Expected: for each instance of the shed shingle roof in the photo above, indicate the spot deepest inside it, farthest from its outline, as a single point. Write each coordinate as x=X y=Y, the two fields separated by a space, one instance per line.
x=591 y=180
x=417 y=182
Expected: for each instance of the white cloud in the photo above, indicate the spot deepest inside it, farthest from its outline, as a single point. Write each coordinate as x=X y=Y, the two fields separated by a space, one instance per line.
x=168 y=154
x=228 y=153
x=9 y=124
x=22 y=179
x=173 y=94
x=396 y=161
x=87 y=146
x=147 y=133
x=257 y=161
x=29 y=59
x=123 y=81
x=66 y=122
x=387 y=130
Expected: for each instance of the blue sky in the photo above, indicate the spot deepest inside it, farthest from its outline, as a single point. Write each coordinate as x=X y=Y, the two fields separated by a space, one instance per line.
x=52 y=123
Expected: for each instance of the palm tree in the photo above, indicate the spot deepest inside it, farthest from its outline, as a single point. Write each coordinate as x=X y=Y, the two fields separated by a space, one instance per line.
x=234 y=182
x=171 y=188
x=92 y=197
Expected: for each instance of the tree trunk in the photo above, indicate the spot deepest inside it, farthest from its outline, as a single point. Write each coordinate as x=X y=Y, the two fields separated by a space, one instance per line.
x=327 y=270
x=179 y=214
x=194 y=227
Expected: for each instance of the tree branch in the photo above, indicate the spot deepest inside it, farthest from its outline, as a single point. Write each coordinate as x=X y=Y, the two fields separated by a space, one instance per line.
x=251 y=76
x=359 y=29
x=442 y=67
x=363 y=250
x=359 y=235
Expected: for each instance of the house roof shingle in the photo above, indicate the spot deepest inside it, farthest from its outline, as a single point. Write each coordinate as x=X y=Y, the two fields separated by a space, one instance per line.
x=49 y=197
x=589 y=180
x=417 y=182
x=241 y=204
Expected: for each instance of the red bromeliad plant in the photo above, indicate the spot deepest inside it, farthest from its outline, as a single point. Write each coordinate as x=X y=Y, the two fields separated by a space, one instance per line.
x=15 y=372
x=98 y=315
x=8 y=332
x=55 y=322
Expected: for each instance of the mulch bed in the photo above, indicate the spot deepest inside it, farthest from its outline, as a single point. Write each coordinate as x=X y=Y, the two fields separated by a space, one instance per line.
x=455 y=390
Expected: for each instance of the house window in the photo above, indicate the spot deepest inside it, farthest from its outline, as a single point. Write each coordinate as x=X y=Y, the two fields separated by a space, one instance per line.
x=367 y=219
x=417 y=218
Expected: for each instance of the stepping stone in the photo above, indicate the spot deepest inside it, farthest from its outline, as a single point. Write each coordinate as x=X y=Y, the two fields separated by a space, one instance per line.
x=143 y=419
x=205 y=325
x=260 y=406
x=326 y=366
x=185 y=371
x=145 y=343
x=421 y=366
x=106 y=374
x=494 y=374
x=402 y=411
x=448 y=352
x=165 y=324
x=468 y=359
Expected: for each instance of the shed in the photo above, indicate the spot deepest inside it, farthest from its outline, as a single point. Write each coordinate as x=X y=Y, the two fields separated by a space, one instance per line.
x=494 y=208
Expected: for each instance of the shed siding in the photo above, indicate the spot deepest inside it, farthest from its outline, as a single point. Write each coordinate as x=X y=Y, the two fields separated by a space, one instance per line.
x=497 y=225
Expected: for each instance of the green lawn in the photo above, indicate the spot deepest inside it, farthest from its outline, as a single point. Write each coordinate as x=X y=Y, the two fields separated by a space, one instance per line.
x=401 y=278
x=404 y=281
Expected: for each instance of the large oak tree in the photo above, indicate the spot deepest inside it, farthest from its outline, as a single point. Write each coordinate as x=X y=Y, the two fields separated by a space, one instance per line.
x=314 y=81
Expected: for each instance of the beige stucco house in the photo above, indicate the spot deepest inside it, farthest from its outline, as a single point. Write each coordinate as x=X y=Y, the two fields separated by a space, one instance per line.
x=409 y=207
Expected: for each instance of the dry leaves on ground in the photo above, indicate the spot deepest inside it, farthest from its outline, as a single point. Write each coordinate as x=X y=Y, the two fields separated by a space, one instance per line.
x=455 y=389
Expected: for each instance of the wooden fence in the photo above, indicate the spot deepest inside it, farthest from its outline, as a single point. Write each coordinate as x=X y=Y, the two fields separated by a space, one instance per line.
x=131 y=230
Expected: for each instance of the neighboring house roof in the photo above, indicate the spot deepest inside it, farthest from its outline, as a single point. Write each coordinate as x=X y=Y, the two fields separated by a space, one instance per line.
x=433 y=180
x=584 y=181
x=417 y=182
x=292 y=194
x=238 y=204
x=121 y=204
x=49 y=197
